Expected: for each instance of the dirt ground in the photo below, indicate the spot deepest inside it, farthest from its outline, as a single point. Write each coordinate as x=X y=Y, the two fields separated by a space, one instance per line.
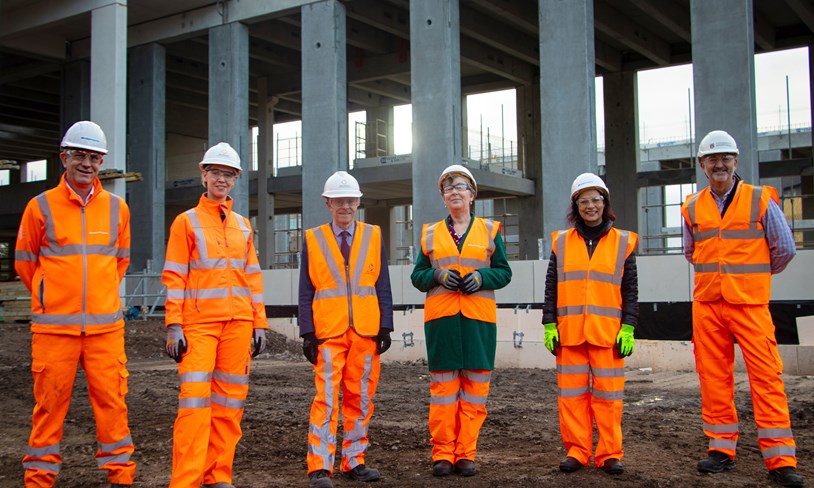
x=519 y=444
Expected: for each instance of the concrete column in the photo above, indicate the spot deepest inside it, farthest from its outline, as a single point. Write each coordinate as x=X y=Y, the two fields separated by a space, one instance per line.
x=528 y=141
x=108 y=85
x=807 y=177
x=265 y=150
x=374 y=144
x=435 y=66
x=622 y=147
x=147 y=93
x=724 y=77
x=324 y=104
x=75 y=94
x=567 y=99
x=229 y=99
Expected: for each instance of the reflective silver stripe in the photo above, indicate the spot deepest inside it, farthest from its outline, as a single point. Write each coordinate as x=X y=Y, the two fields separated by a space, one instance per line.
x=474 y=263
x=359 y=265
x=745 y=268
x=200 y=239
x=703 y=235
x=175 y=294
x=444 y=377
x=573 y=369
x=722 y=444
x=572 y=275
x=476 y=377
x=490 y=226
x=574 y=392
x=473 y=399
x=608 y=372
x=180 y=268
x=691 y=211
x=446 y=261
x=612 y=395
x=252 y=269
x=43 y=451
x=241 y=291
x=258 y=298
x=214 y=263
x=621 y=255
x=597 y=276
x=232 y=379
x=323 y=432
x=359 y=430
x=326 y=439
x=211 y=293
x=24 y=256
x=42 y=465
x=444 y=400
x=126 y=441
x=488 y=294
x=195 y=377
x=754 y=217
x=721 y=428
x=561 y=275
x=45 y=208
x=227 y=402
x=779 y=451
x=364 y=394
x=430 y=244
x=570 y=310
x=615 y=313
x=193 y=402
x=76 y=319
x=743 y=234
x=440 y=290
x=123 y=253
x=115 y=204
x=78 y=250
x=241 y=222
x=340 y=290
x=118 y=458
x=775 y=434
x=235 y=263
x=705 y=267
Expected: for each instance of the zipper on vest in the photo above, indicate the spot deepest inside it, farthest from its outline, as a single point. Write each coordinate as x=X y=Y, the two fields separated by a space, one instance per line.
x=42 y=293
x=84 y=268
x=350 y=297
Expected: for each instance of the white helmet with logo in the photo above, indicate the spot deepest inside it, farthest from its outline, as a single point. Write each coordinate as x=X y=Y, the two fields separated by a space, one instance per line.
x=85 y=135
x=341 y=185
x=457 y=170
x=586 y=181
x=222 y=154
x=716 y=142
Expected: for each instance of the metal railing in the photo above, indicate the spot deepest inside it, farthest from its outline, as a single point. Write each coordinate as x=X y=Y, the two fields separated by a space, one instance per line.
x=144 y=294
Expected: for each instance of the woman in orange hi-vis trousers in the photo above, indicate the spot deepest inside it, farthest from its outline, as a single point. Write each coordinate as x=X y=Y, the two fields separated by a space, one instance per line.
x=462 y=263
x=590 y=310
x=216 y=322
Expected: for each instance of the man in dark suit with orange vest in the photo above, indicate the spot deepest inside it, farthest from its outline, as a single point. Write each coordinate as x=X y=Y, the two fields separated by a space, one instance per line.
x=737 y=237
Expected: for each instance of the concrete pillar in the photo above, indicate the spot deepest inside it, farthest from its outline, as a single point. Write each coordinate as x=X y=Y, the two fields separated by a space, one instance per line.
x=379 y=131
x=324 y=104
x=567 y=99
x=435 y=66
x=108 y=85
x=622 y=147
x=724 y=77
x=229 y=99
x=807 y=177
x=528 y=141
x=147 y=93
x=75 y=94
x=265 y=161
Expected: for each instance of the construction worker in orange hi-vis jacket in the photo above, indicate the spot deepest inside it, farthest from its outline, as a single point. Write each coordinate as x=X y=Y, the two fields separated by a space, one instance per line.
x=82 y=231
x=216 y=323
x=736 y=237
x=345 y=319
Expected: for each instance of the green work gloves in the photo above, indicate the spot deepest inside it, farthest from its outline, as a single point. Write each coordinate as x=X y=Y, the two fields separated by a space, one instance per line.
x=551 y=340
x=624 y=341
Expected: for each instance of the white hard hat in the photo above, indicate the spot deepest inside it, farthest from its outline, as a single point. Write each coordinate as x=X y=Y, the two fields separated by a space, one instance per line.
x=457 y=170
x=223 y=154
x=716 y=142
x=341 y=184
x=586 y=181
x=85 y=135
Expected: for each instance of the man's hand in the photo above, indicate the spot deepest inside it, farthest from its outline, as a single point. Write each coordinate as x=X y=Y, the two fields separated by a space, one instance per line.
x=383 y=341
x=258 y=342
x=310 y=347
x=551 y=339
x=448 y=278
x=471 y=283
x=176 y=344
x=624 y=341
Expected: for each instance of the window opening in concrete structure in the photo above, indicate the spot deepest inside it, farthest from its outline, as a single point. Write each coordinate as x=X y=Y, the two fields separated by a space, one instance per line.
x=492 y=131
x=287 y=148
x=356 y=123
x=35 y=171
x=401 y=248
x=403 y=129
x=5 y=177
x=287 y=240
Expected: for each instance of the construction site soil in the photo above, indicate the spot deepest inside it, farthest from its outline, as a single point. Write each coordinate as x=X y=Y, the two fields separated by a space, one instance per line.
x=519 y=444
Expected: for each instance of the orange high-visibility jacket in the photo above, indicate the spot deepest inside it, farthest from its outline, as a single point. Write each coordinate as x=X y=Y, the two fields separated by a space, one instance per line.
x=477 y=250
x=345 y=296
x=589 y=290
x=211 y=270
x=72 y=256
x=731 y=257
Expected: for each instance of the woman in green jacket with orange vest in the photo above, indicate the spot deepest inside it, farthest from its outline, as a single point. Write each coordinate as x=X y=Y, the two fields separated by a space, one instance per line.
x=463 y=261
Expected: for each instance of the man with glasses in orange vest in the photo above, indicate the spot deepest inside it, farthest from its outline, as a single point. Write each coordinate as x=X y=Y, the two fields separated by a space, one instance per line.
x=72 y=251
x=737 y=237
x=345 y=319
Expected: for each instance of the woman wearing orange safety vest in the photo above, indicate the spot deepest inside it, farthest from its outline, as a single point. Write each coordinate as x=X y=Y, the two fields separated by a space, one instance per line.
x=216 y=322
x=463 y=261
x=590 y=310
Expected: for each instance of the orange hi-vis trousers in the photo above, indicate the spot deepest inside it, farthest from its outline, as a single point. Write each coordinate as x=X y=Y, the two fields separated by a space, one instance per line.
x=591 y=383
x=348 y=362
x=55 y=359
x=214 y=377
x=715 y=327
x=457 y=411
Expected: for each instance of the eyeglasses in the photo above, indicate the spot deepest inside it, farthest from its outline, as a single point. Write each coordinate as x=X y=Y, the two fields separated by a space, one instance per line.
x=344 y=202
x=715 y=158
x=459 y=187
x=597 y=201
x=219 y=173
x=78 y=155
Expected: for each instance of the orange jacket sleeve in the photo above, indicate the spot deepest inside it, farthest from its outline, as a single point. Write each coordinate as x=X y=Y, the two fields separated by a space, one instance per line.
x=29 y=237
x=176 y=269
x=254 y=276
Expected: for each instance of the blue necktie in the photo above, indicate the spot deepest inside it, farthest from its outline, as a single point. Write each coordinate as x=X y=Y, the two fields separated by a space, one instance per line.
x=344 y=247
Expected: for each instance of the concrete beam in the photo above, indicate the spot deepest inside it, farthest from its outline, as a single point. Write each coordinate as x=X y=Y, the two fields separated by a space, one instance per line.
x=764 y=32
x=520 y=13
x=669 y=15
x=805 y=10
x=38 y=15
x=476 y=53
x=27 y=71
x=388 y=88
x=485 y=29
x=607 y=57
x=632 y=34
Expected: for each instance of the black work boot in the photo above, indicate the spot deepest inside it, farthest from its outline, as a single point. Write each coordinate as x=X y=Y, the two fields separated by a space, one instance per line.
x=362 y=473
x=320 y=479
x=465 y=467
x=716 y=462
x=613 y=466
x=786 y=476
x=570 y=464
x=442 y=468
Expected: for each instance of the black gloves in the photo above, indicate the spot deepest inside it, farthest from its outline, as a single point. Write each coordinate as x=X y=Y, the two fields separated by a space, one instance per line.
x=310 y=347
x=383 y=341
x=448 y=278
x=471 y=283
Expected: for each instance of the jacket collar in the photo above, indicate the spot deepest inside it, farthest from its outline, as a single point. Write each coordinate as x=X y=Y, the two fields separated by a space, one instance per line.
x=214 y=207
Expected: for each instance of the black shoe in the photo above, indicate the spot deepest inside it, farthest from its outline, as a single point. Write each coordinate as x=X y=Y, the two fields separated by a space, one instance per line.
x=716 y=462
x=442 y=468
x=320 y=479
x=569 y=465
x=465 y=467
x=362 y=473
x=613 y=466
x=786 y=476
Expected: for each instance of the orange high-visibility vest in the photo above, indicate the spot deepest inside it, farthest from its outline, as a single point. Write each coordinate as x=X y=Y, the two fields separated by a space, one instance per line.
x=211 y=270
x=72 y=256
x=731 y=257
x=589 y=290
x=345 y=296
x=476 y=252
